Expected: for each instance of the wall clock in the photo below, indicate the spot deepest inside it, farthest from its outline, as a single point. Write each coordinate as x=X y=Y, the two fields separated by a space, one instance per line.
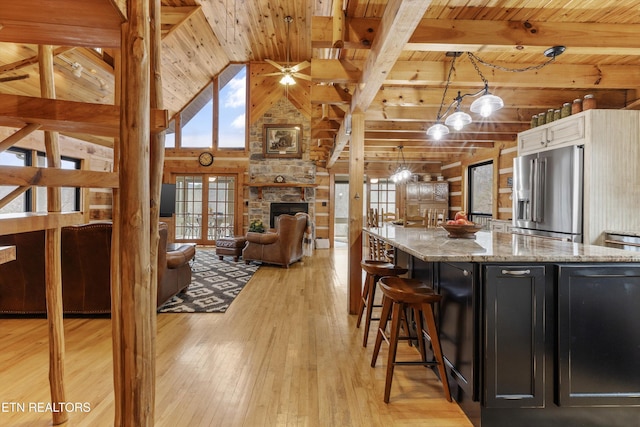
x=279 y=179
x=205 y=159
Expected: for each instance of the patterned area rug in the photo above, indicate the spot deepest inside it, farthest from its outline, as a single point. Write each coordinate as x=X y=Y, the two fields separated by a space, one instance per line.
x=214 y=284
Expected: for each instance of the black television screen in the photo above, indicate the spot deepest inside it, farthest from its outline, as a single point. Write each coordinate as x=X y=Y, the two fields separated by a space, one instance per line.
x=168 y=200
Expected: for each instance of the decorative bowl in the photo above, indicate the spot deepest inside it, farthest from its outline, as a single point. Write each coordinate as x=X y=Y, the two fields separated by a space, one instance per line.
x=462 y=231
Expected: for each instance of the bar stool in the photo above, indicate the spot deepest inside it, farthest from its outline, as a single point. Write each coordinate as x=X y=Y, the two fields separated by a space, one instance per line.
x=375 y=269
x=398 y=294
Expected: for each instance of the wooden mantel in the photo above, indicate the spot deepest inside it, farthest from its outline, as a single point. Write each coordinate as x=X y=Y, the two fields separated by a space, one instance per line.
x=261 y=185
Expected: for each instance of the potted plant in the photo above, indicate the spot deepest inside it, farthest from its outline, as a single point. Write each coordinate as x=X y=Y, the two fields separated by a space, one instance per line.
x=256 y=226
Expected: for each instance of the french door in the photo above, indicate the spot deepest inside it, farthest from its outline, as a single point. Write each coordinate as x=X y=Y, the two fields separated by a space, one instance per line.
x=205 y=207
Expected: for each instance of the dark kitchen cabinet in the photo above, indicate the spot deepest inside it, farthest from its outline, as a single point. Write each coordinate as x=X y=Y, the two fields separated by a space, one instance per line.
x=515 y=301
x=596 y=306
x=458 y=311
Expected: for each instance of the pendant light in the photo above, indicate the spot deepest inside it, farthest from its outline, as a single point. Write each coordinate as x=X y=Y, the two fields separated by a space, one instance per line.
x=485 y=105
x=402 y=172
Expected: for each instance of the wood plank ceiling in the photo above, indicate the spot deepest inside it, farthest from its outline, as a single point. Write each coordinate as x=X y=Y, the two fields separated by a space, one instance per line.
x=345 y=43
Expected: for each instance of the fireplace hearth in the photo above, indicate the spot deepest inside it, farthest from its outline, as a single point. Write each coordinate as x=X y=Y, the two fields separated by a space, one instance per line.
x=276 y=209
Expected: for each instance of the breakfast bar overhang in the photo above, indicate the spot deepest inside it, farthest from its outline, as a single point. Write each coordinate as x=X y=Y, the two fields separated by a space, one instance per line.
x=534 y=331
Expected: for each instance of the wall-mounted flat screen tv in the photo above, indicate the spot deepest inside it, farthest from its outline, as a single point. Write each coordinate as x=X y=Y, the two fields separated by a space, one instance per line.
x=168 y=200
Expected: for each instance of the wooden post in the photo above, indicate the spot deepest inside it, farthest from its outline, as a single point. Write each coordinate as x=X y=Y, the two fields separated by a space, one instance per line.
x=356 y=196
x=116 y=287
x=136 y=324
x=53 y=268
x=155 y=167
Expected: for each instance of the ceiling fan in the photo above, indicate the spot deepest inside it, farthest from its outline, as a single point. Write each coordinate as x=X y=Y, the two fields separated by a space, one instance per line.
x=287 y=71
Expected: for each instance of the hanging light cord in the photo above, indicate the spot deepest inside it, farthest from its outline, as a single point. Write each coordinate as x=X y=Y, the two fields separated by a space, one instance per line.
x=475 y=57
x=444 y=94
x=473 y=62
x=404 y=162
x=288 y=20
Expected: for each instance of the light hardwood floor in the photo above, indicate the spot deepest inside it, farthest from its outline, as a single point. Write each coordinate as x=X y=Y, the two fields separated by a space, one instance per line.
x=286 y=353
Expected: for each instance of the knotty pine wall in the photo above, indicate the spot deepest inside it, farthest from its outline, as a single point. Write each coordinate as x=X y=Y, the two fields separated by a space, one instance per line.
x=455 y=174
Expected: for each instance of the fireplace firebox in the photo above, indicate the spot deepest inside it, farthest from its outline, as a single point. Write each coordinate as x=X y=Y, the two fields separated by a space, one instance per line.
x=276 y=209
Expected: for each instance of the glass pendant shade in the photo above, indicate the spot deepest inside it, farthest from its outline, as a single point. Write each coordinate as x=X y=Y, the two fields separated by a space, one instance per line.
x=287 y=80
x=437 y=131
x=486 y=104
x=458 y=120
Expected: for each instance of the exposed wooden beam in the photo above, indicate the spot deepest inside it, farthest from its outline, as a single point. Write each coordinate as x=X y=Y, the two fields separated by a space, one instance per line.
x=90 y=23
x=426 y=73
x=488 y=35
x=15 y=66
x=399 y=20
x=68 y=116
x=49 y=177
x=18 y=135
x=421 y=96
x=473 y=128
x=329 y=94
x=30 y=221
x=12 y=195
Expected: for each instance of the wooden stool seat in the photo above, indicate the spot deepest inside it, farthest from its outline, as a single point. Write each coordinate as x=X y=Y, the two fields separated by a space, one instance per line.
x=375 y=269
x=398 y=295
x=409 y=291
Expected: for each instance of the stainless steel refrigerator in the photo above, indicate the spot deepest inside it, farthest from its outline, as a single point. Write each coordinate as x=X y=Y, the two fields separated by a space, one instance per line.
x=547 y=193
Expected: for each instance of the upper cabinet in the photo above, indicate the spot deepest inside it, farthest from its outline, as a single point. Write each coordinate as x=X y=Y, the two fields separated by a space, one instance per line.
x=567 y=131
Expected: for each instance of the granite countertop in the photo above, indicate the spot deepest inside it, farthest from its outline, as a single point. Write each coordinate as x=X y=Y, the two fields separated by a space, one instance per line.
x=433 y=244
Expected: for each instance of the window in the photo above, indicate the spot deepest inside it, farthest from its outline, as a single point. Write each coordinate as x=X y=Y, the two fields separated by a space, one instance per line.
x=480 y=179
x=188 y=207
x=232 y=117
x=197 y=129
x=26 y=201
x=217 y=219
x=21 y=203
x=382 y=196
x=70 y=196
x=170 y=135
x=221 y=203
x=218 y=122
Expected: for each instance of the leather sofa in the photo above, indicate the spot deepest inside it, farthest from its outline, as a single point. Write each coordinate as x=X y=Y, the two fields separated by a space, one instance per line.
x=282 y=247
x=86 y=267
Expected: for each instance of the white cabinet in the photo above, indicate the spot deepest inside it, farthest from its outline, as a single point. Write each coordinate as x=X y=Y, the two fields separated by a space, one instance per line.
x=502 y=226
x=567 y=131
x=611 y=183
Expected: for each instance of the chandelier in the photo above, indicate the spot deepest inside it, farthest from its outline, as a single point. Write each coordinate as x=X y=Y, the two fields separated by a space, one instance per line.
x=402 y=172
x=485 y=105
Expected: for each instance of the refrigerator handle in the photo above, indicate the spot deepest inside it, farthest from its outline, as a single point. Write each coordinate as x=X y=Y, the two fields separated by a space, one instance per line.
x=533 y=185
x=540 y=186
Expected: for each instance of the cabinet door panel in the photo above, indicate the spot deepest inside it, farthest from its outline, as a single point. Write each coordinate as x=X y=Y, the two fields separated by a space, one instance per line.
x=571 y=130
x=515 y=336
x=457 y=328
x=427 y=191
x=532 y=140
x=598 y=337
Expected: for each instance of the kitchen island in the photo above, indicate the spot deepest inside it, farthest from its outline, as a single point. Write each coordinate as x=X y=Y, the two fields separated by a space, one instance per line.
x=535 y=332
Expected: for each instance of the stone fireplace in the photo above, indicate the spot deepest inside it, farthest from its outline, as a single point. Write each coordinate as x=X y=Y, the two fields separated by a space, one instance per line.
x=276 y=209
x=283 y=173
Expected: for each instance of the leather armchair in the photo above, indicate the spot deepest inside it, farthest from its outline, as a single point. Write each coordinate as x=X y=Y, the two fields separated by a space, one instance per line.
x=86 y=270
x=282 y=247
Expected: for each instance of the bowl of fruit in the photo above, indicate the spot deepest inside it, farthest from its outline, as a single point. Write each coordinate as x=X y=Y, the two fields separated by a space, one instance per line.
x=460 y=227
